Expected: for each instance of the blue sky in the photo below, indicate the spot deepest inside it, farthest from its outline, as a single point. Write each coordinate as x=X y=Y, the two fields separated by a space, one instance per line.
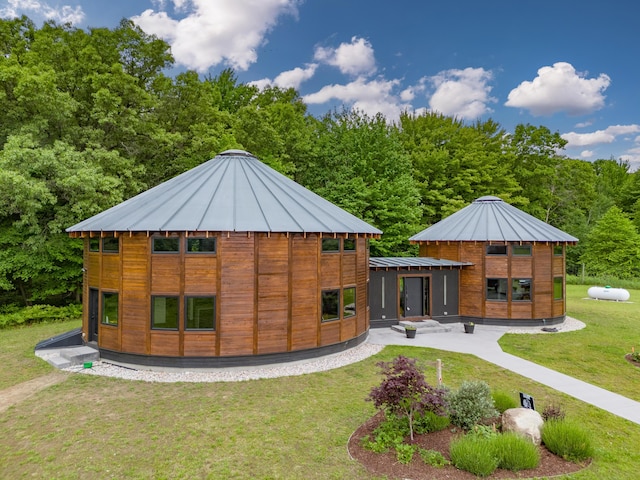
x=570 y=65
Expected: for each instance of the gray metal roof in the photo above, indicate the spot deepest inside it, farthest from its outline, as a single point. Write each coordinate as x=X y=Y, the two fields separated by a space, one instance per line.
x=233 y=192
x=413 y=262
x=491 y=219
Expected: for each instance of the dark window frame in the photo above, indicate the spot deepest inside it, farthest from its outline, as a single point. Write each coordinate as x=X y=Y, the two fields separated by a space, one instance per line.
x=187 y=310
x=521 y=296
x=497 y=287
x=528 y=252
x=355 y=303
x=350 y=241
x=325 y=241
x=555 y=250
x=202 y=252
x=95 y=241
x=324 y=293
x=153 y=312
x=110 y=249
x=165 y=239
x=103 y=312
x=555 y=281
x=496 y=250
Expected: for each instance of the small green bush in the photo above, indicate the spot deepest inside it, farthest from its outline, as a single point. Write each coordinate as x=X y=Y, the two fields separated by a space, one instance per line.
x=404 y=452
x=433 y=458
x=471 y=403
x=39 y=314
x=430 y=422
x=503 y=401
x=390 y=433
x=567 y=440
x=474 y=454
x=515 y=452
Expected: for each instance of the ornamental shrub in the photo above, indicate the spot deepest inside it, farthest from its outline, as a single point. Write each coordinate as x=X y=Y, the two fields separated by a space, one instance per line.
x=474 y=454
x=471 y=403
x=428 y=422
x=390 y=433
x=515 y=452
x=567 y=440
x=404 y=392
x=433 y=458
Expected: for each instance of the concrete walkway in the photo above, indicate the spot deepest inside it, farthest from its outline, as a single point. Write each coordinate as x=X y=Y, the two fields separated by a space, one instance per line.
x=483 y=343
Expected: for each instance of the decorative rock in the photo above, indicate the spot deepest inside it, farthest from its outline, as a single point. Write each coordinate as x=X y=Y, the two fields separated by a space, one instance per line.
x=523 y=421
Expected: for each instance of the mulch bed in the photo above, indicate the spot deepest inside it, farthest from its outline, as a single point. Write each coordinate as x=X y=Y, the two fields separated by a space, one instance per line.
x=630 y=359
x=387 y=464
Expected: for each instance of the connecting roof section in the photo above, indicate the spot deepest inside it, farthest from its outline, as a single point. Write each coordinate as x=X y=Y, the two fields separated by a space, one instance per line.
x=491 y=219
x=233 y=192
x=414 y=262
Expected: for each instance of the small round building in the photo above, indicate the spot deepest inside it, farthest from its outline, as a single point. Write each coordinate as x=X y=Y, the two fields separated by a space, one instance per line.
x=517 y=272
x=230 y=263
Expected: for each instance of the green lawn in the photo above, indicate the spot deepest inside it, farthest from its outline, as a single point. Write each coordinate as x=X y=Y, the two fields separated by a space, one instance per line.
x=287 y=428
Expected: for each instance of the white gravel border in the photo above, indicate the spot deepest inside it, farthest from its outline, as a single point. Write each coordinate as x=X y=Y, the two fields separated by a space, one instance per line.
x=240 y=374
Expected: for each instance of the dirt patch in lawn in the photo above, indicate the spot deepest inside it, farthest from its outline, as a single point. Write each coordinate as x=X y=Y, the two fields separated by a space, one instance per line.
x=386 y=463
x=17 y=393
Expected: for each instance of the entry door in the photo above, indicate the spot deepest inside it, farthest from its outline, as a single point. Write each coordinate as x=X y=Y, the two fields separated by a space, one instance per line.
x=414 y=296
x=93 y=314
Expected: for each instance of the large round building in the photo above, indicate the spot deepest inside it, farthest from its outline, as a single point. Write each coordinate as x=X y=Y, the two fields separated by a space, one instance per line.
x=516 y=271
x=230 y=263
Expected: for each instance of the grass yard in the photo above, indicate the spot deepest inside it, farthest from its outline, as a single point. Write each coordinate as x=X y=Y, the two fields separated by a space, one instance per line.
x=288 y=428
x=594 y=354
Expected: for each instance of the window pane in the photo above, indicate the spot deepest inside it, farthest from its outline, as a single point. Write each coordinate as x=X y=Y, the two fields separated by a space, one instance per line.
x=200 y=313
x=558 y=250
x=110 y=308
x=349 y=302
x=521 y=250
x=170 y=244
x=330 y=244
x=330 y=305
x=557 y=288
x=201 y=245
x=496 y=249
x=164 y=312
x=349 y=244
x=521 y=289
x=497 y=289
x=111 y=244
x=94 y=244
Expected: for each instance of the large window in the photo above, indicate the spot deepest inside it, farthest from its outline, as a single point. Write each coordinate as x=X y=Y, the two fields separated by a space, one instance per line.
x=330 y=245
x=200 y=313
x=558 y=290
x=349 y=302
x=201 y=245
x=166 y=244
x=164 y=313
x=109 y=308
x=496 y=249
x=330 y=305
x=521 y=289
x=497 y=289
x=110 y=245
x=521 y=250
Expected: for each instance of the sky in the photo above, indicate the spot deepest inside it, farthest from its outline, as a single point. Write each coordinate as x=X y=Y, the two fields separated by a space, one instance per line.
x=572 y=66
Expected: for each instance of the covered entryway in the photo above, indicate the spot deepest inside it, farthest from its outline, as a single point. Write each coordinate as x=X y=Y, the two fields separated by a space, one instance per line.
x=414 y=296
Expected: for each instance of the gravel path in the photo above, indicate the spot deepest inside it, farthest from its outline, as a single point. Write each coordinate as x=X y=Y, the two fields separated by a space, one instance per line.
x=239 y=374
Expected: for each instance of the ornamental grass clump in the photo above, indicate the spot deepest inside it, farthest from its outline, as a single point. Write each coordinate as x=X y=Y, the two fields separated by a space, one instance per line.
x=515 y=452
x=404 y=392
x=567 y=440
x=503 y=401
x=470 y=404
x=474 y=454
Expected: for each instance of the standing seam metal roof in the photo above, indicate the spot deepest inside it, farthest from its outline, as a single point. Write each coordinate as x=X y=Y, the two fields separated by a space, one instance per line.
x=491 y=219
x=414 y=262
x=233 y=192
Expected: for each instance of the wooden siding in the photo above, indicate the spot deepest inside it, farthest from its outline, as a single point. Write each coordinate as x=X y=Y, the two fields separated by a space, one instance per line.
x=267 y=290
x=472 y=280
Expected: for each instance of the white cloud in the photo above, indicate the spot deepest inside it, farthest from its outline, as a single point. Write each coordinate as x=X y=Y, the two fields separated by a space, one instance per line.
x=355 y=58
x=607 y=135
x=587 y=153
x=584 y=124
x=289 y=79
x=462 y=93
x=369 y=96
x=60 y=14
x=560 y=89
x=216 y=31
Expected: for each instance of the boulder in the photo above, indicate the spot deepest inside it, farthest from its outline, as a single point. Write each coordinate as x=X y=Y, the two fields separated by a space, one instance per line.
x=523 y=421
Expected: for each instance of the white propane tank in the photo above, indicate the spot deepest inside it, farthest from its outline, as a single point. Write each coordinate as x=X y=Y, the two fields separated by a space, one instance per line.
x=608 y=293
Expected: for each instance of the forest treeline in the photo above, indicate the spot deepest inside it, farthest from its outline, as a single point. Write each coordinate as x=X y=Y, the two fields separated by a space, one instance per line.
x=93 y=117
